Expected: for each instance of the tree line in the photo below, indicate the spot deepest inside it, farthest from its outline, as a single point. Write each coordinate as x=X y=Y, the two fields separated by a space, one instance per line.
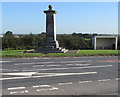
x=24 y=42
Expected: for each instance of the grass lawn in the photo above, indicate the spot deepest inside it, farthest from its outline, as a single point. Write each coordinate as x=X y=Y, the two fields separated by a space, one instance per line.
x=18 y=53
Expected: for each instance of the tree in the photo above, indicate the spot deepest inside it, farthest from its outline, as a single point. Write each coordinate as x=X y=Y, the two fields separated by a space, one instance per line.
x=9 y=41
x=8 y=33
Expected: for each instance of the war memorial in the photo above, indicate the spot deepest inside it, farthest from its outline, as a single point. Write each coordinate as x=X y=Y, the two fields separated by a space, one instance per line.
x=51 y=44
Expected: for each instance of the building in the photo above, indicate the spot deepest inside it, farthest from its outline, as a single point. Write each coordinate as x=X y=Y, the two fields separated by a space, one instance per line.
x=105 y=42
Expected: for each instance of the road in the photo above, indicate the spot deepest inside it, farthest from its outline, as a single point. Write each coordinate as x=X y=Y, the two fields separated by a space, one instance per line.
x=93 y=75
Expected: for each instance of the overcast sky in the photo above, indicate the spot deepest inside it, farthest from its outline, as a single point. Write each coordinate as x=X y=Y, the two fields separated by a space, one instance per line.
x=93 y=17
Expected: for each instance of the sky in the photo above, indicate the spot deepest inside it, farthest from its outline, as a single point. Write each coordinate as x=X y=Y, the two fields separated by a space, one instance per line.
x=79 y=17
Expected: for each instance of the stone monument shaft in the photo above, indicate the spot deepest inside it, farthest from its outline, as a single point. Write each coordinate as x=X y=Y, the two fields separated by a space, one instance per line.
x=50 y=28
x=51 y=44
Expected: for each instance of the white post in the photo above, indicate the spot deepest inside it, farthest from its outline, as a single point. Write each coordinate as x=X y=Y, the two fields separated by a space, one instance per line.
x=95 y=43
x=116 y=40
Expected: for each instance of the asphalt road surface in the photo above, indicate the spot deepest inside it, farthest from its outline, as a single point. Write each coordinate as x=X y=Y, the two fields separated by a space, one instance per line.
x=94 y=75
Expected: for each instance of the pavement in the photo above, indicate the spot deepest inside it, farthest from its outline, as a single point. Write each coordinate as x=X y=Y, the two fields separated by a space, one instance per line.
x=92 y=75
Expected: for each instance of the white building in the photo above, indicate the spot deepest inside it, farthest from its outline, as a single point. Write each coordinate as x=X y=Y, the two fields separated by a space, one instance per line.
x=104 y=42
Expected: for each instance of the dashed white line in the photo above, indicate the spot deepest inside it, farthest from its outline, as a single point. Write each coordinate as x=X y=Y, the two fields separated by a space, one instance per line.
x=54 y=88
x=68 y=83
x=52 y=65
x=85 y=82
x=38 y=65
x=4 y=61
x=41 y=86
x=103 y=80
x=76 y=61
x=48 y=89
x=77 y=64
x=117 y=78
x=25 y=91
x=14 y=92
x=16 y=88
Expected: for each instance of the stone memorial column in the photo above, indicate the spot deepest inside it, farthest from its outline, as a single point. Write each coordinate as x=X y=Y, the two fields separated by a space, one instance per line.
x=51 y=41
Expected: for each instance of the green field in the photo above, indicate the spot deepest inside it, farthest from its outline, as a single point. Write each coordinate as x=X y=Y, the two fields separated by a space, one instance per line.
x=18 y=53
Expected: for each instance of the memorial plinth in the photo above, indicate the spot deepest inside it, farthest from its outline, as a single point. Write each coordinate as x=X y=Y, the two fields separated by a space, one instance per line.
x=51 y=44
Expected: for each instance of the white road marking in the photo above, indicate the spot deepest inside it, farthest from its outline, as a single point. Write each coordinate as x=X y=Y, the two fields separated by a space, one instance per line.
x=69 y=83
x=41 y=86
x=103 y=80
x=77 y=64
x=25 y=91
x=48 y=75
x=16 y=88
x=38 y=65
x=52 y=65
x=2 y=69
x=14 y=92
x=38 y=90
x=54 y=88
x=48 y=89
x=117 y=78
x=34 y=63
x=4 y=61
x=61 y=74
x=75 y=61
x=13 y=78
x=85 y=82
x=20 y=73
x=76 y=67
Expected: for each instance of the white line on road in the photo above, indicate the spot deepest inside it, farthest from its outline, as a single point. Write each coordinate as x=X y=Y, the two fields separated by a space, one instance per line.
x=53 y=88
x=76 y=61
x=84 y=82
x=76 y=67
x=103 y=80
x=16 y=88
x=41 y=86
x=77 y=64
x=4 y=61
x=48 y=75
x=14 y=92
x=47 y=89
x=25 y=91
x=69 y=83
x=61 y=74
x=34 y=63
x=117 y=78
x=38 y=65
x=52 y=65
x=20 y=73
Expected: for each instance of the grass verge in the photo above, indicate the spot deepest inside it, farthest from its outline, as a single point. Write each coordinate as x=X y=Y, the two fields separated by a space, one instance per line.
x=17 y=53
